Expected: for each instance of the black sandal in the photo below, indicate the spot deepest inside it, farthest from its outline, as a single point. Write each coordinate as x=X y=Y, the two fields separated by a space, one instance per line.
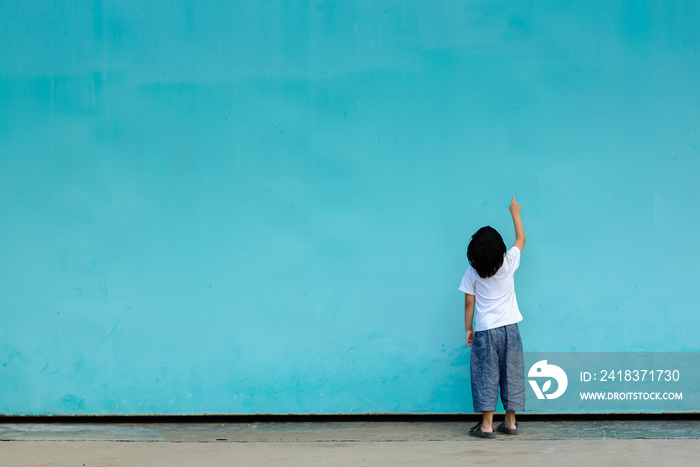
x=476 y=431
x=509 y=431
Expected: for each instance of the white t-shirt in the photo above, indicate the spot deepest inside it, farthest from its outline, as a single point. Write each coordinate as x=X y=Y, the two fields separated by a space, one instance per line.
x=495 y=296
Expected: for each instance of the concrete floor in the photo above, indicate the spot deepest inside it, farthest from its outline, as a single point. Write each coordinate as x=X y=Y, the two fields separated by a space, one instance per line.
x=624 y=442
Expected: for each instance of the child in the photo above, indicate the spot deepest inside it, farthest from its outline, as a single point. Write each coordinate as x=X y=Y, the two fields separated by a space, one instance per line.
x=497 y=351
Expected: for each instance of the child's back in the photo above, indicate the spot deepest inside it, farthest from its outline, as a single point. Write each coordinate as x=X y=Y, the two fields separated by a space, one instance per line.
x=496 y=303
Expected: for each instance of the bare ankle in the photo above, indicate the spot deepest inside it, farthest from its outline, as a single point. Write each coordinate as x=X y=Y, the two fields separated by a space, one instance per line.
x=487 y=422
x=510 y=420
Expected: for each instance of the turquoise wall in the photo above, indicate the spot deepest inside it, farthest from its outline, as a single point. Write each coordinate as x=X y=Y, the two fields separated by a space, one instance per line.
x=263 y=207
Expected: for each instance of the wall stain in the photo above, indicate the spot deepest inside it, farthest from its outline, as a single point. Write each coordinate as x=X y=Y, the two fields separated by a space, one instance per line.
x=115 y=324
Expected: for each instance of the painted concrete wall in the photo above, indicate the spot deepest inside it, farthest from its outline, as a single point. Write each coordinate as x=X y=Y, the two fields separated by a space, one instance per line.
x=263 y=207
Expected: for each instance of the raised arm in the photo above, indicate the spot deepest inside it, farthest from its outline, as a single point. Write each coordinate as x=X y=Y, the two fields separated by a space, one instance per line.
x=518 y=224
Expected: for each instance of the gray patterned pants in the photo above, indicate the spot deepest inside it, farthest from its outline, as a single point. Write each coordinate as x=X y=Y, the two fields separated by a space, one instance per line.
x=497 y=361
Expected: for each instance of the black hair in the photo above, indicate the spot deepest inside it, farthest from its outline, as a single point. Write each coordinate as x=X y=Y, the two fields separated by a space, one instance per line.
x=486 y=251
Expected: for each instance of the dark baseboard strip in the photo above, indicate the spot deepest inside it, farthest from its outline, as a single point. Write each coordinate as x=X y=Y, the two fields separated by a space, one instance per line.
x=311 y=418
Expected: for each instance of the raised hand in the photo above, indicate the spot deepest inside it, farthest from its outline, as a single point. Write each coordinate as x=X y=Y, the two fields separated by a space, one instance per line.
x=514 y=207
